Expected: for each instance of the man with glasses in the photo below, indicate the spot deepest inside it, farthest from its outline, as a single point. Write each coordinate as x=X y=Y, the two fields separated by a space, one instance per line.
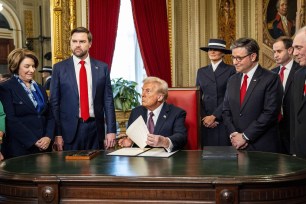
x=252 y=101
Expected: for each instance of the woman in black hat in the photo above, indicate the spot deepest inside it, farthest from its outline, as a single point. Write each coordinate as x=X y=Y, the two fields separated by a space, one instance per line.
x=212 y=81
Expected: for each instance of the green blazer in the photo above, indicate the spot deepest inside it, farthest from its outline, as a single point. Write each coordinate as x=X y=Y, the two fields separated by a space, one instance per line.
x=2 y=118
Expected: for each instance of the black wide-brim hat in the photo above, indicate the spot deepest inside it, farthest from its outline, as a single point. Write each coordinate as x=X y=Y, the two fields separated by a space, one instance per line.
x=46 y=69
x=217 y=44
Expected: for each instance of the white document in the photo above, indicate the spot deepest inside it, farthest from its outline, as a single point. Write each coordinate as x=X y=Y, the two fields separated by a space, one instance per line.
x=138 y=132
x=157 y=152
x=128 y=151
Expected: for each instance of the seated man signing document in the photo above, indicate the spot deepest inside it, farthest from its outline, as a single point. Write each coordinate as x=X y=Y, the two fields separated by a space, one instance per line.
x=165 y=122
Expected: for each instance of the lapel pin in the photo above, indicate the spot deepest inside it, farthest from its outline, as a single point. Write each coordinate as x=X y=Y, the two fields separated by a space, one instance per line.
x=164 y=116
x=96 y=67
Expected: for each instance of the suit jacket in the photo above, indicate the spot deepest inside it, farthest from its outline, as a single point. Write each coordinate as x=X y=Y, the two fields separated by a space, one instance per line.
x=47 y=84
x=212 y=86
x=285 y=121
x=24 y=125
x=298 y=115
x=257 y=116
x=170 y=123
x=64 y=99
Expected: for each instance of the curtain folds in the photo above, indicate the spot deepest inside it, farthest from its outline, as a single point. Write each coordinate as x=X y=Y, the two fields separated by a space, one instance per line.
x=151 y=23
x=103 y=23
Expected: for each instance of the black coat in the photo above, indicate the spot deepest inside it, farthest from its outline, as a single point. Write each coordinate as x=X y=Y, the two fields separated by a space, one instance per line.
x=212 y=86
x=284 y=123
x=298 y=115
x=257 y=117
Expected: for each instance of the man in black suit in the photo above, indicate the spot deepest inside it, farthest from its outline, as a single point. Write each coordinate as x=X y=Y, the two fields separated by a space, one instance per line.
x=283 y=51
x=169 y=129
x=298 y=103
x=82 y=98
x=46 y=73
x=252 y=101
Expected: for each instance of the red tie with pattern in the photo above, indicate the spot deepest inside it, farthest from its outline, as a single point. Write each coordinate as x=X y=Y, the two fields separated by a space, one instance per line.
x=151 y=123
x=84 y=92
x=243 y=88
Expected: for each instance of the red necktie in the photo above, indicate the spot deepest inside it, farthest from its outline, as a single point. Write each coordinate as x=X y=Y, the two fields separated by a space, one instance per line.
x=281 y=74
x=243 y=88
x=305 y=89
x=84 y=92
x=151 y=123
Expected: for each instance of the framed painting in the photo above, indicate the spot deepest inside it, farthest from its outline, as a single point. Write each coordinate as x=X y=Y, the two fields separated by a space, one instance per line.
x=279 y=19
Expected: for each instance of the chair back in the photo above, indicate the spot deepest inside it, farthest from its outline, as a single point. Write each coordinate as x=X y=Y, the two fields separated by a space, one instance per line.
x=189 y=100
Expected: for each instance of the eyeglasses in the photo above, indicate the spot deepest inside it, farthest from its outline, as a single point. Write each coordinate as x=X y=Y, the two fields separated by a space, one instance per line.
x=239 y=59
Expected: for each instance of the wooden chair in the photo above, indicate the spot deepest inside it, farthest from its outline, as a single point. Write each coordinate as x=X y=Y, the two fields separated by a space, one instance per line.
x=189 y=100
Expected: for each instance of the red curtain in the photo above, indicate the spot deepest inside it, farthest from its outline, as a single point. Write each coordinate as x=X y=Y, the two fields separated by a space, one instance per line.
x=103 y=23
x=151 y=23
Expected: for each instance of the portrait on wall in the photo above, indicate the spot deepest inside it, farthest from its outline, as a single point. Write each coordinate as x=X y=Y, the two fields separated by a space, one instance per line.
x=280 y=16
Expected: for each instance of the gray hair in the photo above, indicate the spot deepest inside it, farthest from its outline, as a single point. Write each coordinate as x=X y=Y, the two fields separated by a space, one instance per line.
x=162 y=85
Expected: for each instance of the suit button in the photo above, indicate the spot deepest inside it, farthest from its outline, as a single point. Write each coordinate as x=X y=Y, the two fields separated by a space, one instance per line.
x=240 y=114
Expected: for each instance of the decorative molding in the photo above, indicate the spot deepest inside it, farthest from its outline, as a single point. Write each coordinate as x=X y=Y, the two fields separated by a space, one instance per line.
x=63 y=19
x=28 y=23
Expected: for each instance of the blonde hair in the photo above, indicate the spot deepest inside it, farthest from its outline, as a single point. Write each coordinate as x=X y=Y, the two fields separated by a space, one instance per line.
x=17 y=56
x=162 y=85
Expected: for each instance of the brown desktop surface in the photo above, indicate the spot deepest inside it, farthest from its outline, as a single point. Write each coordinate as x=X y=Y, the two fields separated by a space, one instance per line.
x=184 y=177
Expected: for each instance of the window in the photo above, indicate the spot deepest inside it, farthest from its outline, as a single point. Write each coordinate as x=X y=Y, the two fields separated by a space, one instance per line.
x=127 y=61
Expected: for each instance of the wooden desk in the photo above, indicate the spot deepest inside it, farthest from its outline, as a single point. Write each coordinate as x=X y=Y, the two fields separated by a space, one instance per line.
x=183 y=178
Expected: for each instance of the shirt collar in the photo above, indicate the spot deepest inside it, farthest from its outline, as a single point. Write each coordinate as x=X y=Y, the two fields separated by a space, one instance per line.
x=214 y=66
x=288 y=66
x=251 y=72
x=157 y=110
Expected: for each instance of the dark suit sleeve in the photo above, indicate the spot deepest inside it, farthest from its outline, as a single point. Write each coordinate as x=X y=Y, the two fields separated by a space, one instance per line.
x=109 y=106
x=14 y=125
x=271 y=109
x=226 y=112
x=179 y=136
x=218 y=112
x=55 y=98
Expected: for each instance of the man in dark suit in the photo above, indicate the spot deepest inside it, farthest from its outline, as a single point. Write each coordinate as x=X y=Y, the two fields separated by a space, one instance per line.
x=168 y=120
x=46 y=73
x=283 y=51
x=212 y=80
x=79 y=107
x=252 y=101
x=298 y=103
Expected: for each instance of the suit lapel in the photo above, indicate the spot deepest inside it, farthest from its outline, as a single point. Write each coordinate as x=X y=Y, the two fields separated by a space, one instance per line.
x=72 y=75
x=22 y=95
x=220 y=69
x=254 y=81
x=209 y=72
x=94 y=75
x=163 y=115
x=301 y=84
x=291 y=76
